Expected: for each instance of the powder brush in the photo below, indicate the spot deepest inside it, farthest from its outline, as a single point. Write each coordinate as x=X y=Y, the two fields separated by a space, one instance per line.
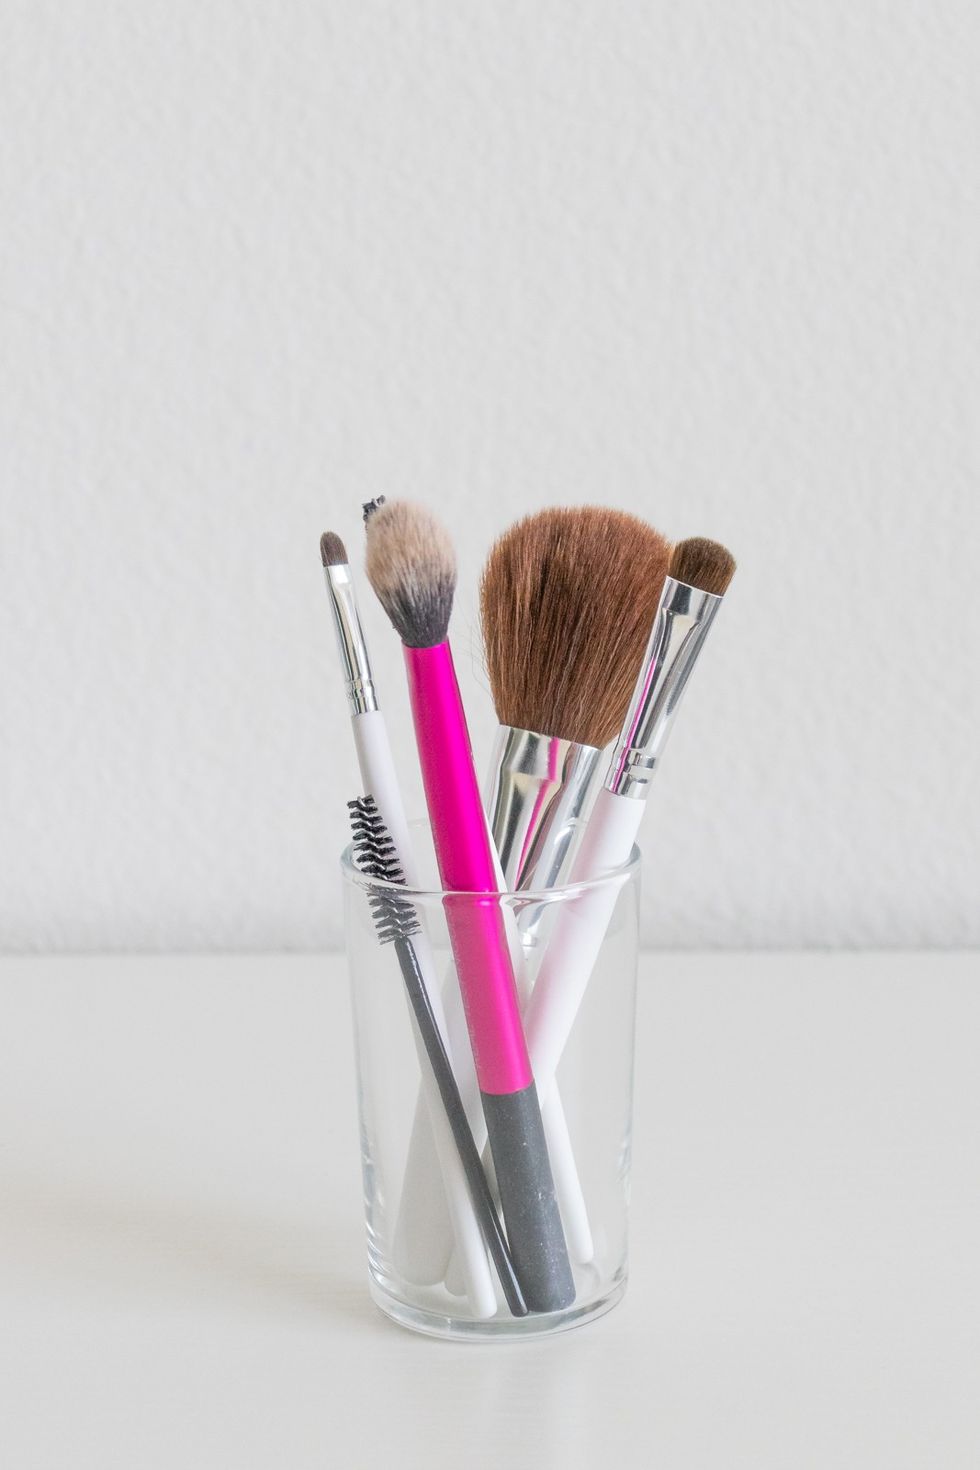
x=411 y=566
x=567 y=599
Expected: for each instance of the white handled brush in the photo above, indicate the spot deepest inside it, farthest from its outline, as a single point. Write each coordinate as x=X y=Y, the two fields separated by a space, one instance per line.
x=700 y=571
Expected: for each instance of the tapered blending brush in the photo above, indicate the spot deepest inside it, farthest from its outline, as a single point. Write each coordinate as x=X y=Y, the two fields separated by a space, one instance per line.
x=567 y=599
x=434 y=1143
x=699 y=574
x=412 y=567
x=397 y=923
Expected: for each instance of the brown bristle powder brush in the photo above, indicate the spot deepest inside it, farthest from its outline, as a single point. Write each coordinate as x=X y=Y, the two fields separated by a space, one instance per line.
x=567 y=600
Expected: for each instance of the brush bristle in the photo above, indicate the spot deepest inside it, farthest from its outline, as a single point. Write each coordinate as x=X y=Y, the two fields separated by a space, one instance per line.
x=411 y=565
x=704 y=564
x=375 y=857
x=333 y=552
x=567 y=600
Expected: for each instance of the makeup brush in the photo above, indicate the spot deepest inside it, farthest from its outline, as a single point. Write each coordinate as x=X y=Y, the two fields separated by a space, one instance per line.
x=699 y=574
x=567 y=599
x=397 y=923
x=432 y=1139
x=412 y=568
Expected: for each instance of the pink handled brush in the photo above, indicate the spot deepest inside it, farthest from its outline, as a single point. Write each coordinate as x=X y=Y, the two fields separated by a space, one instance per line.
x=412 y=568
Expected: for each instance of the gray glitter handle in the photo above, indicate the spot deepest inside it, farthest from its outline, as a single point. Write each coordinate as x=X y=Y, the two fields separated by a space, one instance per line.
x=528 y=1200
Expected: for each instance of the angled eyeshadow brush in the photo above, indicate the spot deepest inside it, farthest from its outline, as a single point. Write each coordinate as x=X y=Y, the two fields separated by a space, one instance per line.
x=567 y=600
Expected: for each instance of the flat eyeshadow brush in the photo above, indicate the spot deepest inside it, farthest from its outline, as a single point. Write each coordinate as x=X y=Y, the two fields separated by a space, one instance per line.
x=397 y=923
x=567 y=600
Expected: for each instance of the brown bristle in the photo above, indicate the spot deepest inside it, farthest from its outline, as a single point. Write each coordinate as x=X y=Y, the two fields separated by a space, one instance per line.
x=333 y=553
x=704 y=564
x=567 y=600
x=411 y=565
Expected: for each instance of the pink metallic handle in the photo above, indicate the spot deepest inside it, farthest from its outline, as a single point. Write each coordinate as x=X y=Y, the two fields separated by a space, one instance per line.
x=463 y=851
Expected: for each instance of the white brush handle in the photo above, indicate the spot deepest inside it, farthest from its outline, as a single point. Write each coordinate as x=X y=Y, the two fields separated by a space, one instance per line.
x=412 y=1255
x=380 y=780
x=577 y=938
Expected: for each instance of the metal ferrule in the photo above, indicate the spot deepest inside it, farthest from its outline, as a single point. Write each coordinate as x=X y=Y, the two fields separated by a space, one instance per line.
x=350 y=640
x=683 y=618
x=539 y=798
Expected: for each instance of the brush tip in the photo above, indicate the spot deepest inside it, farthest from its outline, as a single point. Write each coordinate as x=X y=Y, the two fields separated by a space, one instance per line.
x=333 y=552
x=566 y=603
x=704 y=564
x=370 y=506
x=411 y=565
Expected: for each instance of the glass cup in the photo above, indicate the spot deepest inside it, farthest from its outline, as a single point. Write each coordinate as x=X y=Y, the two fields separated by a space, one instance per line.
x=428 y=1267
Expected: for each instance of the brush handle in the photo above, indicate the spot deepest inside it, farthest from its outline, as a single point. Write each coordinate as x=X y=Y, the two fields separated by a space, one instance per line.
x=411 y=1236
x=380 y=780
x=486 y=979
x=577 y=939
x=466 y=868
x=568 y=1187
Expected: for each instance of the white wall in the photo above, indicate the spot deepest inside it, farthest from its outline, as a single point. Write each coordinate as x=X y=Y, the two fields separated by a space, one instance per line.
x=718 y=263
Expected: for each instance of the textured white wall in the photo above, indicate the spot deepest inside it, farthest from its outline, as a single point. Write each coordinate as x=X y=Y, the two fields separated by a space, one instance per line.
x=718 y=263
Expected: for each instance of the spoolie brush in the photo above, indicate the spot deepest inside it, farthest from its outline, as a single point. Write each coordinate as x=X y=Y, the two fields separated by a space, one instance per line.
x=397 y=923
x=412 y=567
x=700 y=571
x=567 y=599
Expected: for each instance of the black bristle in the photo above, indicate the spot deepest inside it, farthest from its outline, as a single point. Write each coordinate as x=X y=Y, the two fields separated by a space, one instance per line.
x=371 y=506
x=375 y=856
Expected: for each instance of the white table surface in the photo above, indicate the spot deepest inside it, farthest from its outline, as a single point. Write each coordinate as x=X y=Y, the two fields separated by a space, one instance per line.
x=182 y=1277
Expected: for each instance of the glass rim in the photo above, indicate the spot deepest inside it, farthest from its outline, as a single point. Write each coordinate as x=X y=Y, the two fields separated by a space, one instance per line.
x=562 y=892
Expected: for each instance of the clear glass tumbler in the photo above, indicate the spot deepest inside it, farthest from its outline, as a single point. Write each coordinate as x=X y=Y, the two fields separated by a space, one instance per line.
x=428 y=1267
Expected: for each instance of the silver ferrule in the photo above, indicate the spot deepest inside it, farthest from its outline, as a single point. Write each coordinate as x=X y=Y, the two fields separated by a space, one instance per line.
x=683 y=618
x=538 y=800
x=350 y=640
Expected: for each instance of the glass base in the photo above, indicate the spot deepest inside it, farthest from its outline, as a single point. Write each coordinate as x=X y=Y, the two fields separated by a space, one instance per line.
x=434 y=1323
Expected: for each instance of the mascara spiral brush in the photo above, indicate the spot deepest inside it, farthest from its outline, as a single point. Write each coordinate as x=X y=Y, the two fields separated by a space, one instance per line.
x=700 y=571
x=433 y=1143
x=412 y=568
x=397 y=923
